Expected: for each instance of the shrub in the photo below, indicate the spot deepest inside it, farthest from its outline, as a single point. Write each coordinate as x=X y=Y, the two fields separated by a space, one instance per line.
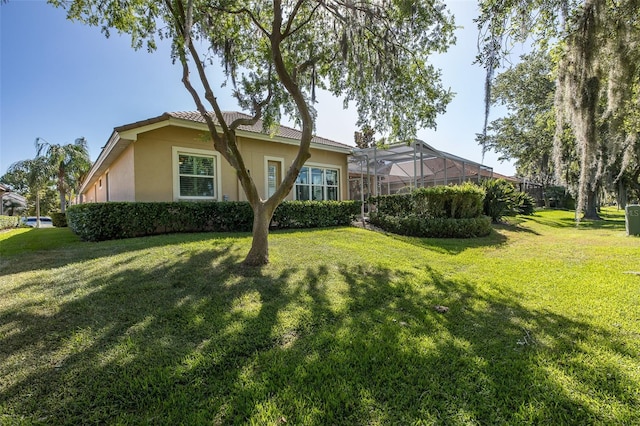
x=9 y=222
x=114 y=220
x=314 y=214
x=59 y=219
x=393 y=205
x=440 y=211
x=502 y=199
x=560 y=198
x=499 y=198
x=524 y=203
x=418 y=226
x=455 y=202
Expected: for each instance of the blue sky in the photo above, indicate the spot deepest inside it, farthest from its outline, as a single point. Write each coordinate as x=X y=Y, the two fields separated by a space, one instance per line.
x=60 y=80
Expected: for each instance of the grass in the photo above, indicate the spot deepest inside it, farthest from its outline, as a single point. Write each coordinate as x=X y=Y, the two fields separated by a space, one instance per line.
x=22 y=241
x=543 y=327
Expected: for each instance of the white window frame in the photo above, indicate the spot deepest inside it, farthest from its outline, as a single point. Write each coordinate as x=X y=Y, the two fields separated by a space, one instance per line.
x=217 y=181
x=324 y=186
x=266 y=172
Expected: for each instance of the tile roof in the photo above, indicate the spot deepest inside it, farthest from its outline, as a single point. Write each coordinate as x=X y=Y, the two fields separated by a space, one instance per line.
x=230 y=116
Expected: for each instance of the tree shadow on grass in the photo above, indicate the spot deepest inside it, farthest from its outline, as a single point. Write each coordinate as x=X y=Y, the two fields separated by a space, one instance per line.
x=454 y=245
x=203 y=340
x=34 y=250
x=49 y=248
x=609 y=221
x=513 y=226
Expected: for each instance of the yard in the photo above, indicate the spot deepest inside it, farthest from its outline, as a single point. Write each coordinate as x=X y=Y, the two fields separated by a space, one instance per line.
x=543 y=327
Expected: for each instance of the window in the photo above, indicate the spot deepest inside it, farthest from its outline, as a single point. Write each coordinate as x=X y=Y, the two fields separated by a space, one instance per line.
x=273 y=177
x=317 y=183
x=196 y=176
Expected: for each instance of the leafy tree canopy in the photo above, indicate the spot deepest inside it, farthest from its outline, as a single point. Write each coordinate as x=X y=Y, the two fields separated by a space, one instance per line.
x=526 y=133
x=34 y=176
x=69 y=164
x=596 y=44
x=16 y=179
x=372 y=53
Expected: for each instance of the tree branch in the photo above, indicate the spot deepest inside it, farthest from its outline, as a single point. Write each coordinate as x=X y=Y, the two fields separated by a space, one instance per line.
x=257 y=108
x=307 y=121
x=229 y=149
x=292 y=16
x=288 y=31
x=225 y=145
x=248 y=13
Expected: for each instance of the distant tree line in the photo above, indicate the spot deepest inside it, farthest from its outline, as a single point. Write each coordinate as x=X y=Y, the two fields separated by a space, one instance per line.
x=51 y=179
x=574 y=102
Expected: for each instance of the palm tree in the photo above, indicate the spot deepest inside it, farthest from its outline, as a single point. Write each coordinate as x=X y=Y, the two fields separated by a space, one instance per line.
x=37 y=172
x=69 y=161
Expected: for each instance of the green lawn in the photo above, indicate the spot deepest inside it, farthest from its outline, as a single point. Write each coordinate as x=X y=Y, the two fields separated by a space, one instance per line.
x=543 y=327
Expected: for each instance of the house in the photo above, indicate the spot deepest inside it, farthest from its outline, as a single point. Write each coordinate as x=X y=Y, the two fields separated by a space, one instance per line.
x=11 y=202
x=171 y=158
x=3 y=190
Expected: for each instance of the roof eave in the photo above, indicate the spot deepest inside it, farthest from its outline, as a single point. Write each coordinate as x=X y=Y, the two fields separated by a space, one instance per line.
x=100 y=164
x=128 y=133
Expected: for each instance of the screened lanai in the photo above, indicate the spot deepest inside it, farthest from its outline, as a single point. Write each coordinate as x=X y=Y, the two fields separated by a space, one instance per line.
x=402 y=167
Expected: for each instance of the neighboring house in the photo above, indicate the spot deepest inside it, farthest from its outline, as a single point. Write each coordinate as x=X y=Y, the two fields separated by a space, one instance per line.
x=11 y=203
x=3 y=190
x=171 y=158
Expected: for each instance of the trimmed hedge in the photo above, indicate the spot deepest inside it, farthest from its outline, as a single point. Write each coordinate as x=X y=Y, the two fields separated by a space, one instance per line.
x=393 y=205
x=7 y=222
x=454 y=202
x=115 y=220
x=439 y=211
x=59 y=219
x=419 y=226
x=315 y=214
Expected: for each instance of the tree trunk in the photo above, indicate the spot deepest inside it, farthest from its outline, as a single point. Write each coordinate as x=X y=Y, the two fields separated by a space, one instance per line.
x=591 y=206
x=63 y=201
x=259 y=253
x=38 y=208
x=621 y=195
x=545 y=196
x=61 y=190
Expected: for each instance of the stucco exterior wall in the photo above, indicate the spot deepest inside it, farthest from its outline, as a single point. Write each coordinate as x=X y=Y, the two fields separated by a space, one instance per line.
x=154 y=174
x=96 y=193
x=122 y=177
x=145 y=171
x=256 y=151
x=154 y=177
x=100 y=190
